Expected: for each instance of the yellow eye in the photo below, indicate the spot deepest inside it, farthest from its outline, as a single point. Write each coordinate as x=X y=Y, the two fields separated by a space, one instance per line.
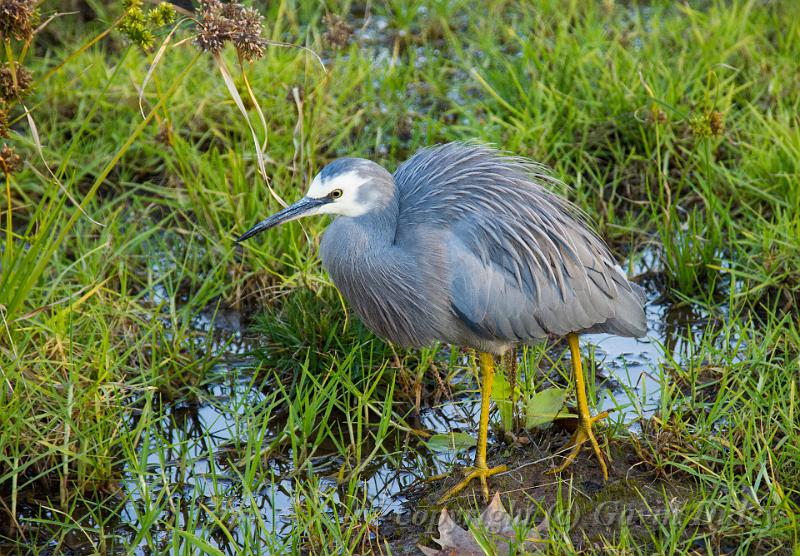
x=336 y=193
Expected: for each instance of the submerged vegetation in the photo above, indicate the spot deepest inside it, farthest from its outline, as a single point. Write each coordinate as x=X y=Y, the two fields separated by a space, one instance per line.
x=165 y=390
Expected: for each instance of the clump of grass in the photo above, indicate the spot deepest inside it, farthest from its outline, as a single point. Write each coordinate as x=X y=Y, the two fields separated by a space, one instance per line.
x=693 y=250
x=334 y=336
x=65 y=348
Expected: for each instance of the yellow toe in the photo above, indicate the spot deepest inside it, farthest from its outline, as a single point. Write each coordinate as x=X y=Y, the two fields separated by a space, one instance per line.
x=583 y=433
x=482 y=473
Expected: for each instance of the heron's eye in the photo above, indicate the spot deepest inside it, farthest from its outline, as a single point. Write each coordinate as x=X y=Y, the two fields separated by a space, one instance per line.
x=336 y=193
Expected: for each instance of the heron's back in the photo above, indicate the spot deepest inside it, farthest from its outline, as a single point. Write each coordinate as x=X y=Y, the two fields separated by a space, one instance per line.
x=523 y=263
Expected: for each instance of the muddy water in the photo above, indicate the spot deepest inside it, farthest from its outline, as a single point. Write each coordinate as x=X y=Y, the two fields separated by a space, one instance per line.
x=629 y=380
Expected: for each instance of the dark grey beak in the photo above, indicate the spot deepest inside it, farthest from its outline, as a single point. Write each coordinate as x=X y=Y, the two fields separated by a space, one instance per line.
x=292 y=212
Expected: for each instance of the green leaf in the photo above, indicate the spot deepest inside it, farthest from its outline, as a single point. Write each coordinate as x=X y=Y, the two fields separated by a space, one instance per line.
x=501 y=389
x=543 y=407
x=501 y=394
x=451 y=442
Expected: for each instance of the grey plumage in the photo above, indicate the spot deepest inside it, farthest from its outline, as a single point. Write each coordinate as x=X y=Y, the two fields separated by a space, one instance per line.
x=469 y=247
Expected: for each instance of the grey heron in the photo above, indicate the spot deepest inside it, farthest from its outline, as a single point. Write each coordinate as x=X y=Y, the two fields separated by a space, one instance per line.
x=468 y=246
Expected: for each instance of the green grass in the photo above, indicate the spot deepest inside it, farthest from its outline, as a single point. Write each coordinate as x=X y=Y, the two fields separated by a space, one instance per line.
x=675 y=126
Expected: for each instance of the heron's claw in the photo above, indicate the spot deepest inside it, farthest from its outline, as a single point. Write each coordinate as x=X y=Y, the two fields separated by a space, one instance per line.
x=582 y=434
x=482 y=473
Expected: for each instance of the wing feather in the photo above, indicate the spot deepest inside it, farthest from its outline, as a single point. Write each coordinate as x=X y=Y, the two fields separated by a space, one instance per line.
x=524 y=262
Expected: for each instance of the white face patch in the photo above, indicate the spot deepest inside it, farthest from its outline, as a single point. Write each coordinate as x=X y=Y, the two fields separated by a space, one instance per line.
x=347 y=204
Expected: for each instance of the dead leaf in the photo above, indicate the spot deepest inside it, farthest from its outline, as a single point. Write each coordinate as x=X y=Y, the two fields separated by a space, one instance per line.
x=455 y=540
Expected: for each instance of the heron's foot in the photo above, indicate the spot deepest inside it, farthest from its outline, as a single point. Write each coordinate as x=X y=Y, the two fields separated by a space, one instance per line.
x=583 y=433
x=482 y=473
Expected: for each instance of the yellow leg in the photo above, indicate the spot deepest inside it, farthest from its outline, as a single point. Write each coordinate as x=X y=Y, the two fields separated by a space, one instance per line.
x=585 y=420
x=480 y=470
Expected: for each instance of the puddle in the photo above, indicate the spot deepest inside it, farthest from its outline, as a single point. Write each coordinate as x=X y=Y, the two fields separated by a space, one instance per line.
x=212 y=426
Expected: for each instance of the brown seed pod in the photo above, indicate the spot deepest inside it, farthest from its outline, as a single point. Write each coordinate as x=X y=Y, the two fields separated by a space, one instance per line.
x=232 y=22
x=10 y=161
x=338 y=31
x=18 y=18
x=11 y=88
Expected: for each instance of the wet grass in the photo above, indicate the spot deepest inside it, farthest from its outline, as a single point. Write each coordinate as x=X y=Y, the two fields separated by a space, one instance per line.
x=164 y=390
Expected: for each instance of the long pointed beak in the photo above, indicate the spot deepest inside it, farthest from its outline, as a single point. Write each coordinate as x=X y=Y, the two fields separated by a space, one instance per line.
x=292 y=212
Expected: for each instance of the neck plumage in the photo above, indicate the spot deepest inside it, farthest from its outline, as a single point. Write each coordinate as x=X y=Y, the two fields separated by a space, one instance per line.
x=377 y=277
x=373 y=230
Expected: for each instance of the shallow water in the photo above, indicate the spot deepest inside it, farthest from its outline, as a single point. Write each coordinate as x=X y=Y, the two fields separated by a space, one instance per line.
x=220 y=422
x=629 y=374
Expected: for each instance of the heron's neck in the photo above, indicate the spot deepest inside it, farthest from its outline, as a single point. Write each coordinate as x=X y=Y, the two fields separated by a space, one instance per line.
x=352 y=245
x=375 y=229
x=377 y=276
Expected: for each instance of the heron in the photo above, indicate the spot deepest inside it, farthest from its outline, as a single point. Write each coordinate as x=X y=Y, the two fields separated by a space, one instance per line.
x=470 y=246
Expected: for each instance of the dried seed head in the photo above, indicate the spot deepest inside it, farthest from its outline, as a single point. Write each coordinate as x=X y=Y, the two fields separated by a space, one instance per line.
x=656 y=115
x=232 y=22
x=716 y=123
x=16 y=84
x=251 y=20
x=214 y=31
x=338 y=31
x=18 y=18
x=3 y=122
x=10 y=161
x=229 y=10
x=247 y=36
x=249 y=48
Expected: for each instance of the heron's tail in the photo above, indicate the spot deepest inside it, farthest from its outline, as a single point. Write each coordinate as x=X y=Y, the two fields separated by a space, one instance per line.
x=630 y=319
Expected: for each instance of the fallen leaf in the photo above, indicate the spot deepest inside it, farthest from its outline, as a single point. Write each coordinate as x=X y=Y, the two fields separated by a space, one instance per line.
x=453 y=539
x=495 y=520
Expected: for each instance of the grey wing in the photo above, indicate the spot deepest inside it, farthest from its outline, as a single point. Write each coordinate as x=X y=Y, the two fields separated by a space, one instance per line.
x=502 y=288
x=524 y=262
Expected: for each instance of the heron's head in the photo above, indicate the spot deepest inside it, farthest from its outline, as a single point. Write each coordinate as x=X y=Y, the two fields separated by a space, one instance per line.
x=345 y=187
